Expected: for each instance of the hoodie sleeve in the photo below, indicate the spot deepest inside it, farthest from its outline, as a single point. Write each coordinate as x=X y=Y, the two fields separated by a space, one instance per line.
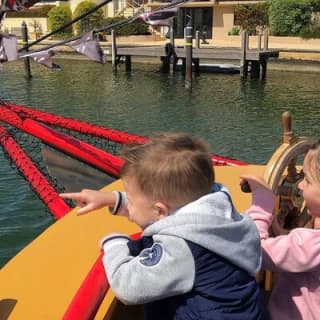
x=299 y=251
x=261 y=211
x=165 y=269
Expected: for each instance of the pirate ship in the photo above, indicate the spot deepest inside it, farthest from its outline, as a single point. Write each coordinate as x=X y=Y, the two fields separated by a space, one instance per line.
x=60 y=274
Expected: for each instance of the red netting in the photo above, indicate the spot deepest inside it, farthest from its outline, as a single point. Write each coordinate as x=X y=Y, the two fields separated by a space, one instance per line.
x=27 y=133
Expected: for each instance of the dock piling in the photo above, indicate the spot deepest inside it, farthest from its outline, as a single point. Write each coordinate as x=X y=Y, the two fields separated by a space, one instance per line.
x=243 y=60
x=114 y=51
x=25 y=38
x=188 y=50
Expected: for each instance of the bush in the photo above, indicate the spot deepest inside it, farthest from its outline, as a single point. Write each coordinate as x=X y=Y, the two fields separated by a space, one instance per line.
x=89 y=22
x=251 y=17
x=290 y=17
x=134 y=28
x=235 y=31
x=59 y=16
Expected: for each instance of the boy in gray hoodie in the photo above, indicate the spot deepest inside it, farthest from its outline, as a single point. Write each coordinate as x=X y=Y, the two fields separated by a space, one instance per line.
x=197 y=257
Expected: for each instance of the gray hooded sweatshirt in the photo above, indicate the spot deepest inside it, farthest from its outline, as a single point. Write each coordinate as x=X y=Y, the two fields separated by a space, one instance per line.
x=168 y=267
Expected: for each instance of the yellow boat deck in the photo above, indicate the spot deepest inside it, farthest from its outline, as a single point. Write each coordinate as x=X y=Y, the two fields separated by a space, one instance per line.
x=40 y=282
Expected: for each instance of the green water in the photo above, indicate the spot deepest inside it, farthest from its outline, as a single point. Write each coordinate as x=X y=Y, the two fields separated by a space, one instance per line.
x=240 y=119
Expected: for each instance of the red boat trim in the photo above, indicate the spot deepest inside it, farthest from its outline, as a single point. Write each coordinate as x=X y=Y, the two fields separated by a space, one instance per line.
x=223 y=161
x=32 y=174
x=87 y=300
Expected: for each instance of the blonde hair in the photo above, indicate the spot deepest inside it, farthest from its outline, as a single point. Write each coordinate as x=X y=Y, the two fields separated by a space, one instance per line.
x=171 y=167
x=313 y=159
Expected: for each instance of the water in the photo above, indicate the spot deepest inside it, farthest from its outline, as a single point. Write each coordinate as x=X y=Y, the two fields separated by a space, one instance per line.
x=240 y=120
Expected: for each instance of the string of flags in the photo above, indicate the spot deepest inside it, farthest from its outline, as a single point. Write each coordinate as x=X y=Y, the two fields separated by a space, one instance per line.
x=87 y=44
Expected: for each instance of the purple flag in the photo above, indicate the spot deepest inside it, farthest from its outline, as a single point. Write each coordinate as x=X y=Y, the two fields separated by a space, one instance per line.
x=161 y=17
x=89 y=46
x=44 y=58
x=16 y=5
x=8 y=48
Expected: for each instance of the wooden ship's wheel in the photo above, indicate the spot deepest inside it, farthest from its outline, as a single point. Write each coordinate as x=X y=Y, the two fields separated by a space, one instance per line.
x=283 y=173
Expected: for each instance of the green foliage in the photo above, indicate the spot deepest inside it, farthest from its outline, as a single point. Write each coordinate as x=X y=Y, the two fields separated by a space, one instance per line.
x=251 y=17
x=59 y=16
x=89 y=22
x=235 y=31
x=135 y=28
x=34 y=12
x=291 y=17
x=313 y=29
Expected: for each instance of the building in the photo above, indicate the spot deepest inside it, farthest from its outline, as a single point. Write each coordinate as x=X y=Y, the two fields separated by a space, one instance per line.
x=213 y=18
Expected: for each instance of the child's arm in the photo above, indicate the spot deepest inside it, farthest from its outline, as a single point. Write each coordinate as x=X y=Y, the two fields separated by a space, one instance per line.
x=263 y=201
x=299 y=251
x=89 y=200
x=165 y=269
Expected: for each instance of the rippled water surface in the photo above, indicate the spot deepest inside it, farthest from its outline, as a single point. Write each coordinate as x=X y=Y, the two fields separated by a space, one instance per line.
x=240 y=119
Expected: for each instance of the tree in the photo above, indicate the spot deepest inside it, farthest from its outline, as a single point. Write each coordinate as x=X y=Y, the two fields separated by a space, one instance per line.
x=251 y=17
x=59 y=16
x=89 y=22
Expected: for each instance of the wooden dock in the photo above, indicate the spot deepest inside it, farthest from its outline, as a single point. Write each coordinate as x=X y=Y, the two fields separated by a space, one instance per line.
x=252 y=62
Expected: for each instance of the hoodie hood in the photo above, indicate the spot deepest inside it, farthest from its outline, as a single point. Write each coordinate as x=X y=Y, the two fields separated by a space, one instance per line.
x=213 y=223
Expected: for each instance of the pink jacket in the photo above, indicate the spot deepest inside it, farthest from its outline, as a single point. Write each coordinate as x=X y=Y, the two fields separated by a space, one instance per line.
x=296 y=259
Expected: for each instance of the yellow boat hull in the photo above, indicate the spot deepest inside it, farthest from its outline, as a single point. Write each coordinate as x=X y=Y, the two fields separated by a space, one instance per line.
x=40 y=281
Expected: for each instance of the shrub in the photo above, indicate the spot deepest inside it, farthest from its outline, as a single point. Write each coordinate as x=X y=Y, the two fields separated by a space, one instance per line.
x=290 y=17
x=89 y=22
x=235 y=31
x=59 y=16
x=134 y=28
x=251 y=17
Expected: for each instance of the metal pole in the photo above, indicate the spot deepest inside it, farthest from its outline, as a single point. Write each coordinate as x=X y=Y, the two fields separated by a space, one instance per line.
x=24 y=31
x=188 y=51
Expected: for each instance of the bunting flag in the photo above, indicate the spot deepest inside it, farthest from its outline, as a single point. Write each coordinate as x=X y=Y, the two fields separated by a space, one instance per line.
x=89 y=46
x=8 y=48
x=44 y=58
x=161 y=17
x=16 y=5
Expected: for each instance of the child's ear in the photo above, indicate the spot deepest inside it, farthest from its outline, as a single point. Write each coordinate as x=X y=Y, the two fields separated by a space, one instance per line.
x=162 y=208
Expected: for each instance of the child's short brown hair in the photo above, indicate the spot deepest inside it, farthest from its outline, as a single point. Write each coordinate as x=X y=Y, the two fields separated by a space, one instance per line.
x=172 y=167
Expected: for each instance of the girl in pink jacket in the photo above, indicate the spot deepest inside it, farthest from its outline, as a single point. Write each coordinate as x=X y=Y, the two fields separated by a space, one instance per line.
x=294 y=256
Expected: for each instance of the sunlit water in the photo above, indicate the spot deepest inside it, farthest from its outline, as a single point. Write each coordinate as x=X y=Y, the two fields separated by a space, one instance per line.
x=240 y=119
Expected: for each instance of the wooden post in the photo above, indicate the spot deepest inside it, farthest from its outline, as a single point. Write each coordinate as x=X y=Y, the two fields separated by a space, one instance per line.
x=259 y=42
x=197 y=39
x=265 y=39
x=172 y=32
x=114 y=51
x=243 y=61
x=128 y=63
x=196 y=63
x=263 y=63
x=188 y=51
x=25 y=38
x=255 y=70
